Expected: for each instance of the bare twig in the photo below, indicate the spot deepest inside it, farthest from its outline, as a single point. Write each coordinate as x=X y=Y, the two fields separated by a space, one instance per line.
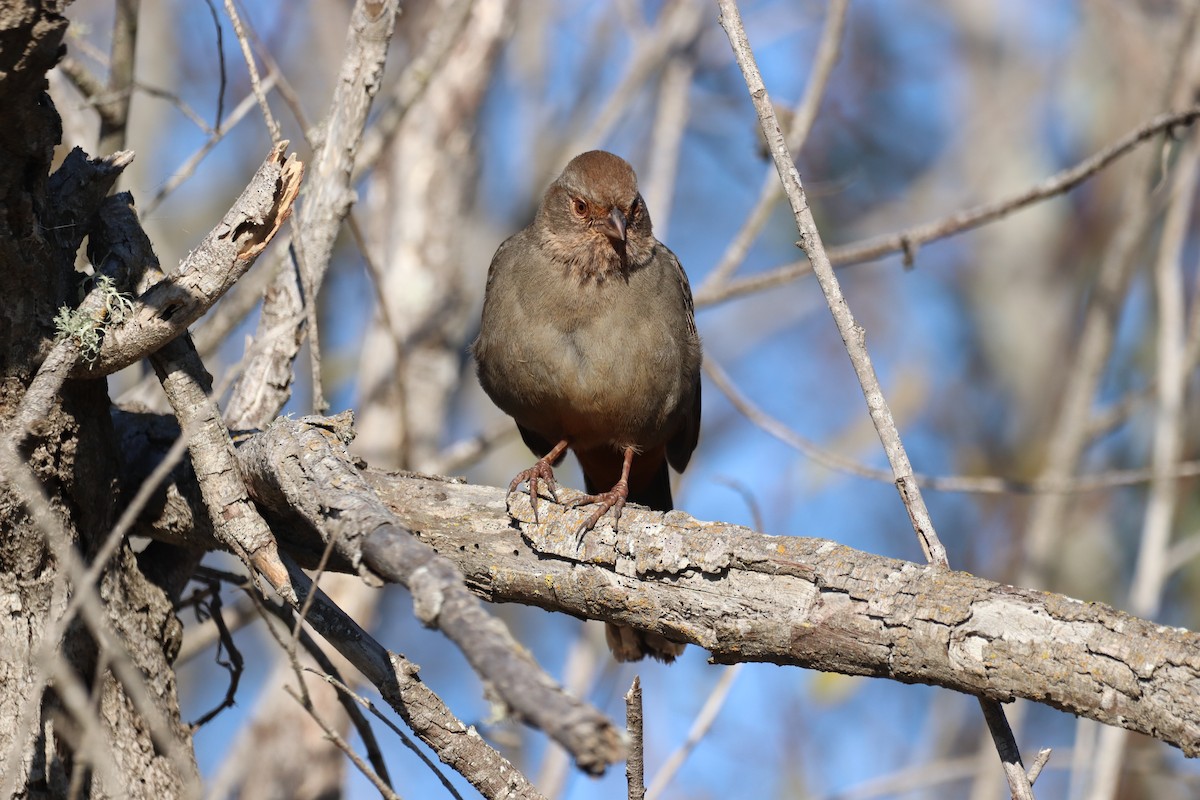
x=330 y=675
x=635 y=777
x=347 y=692
x=828 y=50
x=252 y=68
x=266 y=384
x=333 y=736
x=940 y=483
x=854 y=338
x=188 y=168
x=212 y=10
x=852 y=333
x=909 y=239
x=234 y=666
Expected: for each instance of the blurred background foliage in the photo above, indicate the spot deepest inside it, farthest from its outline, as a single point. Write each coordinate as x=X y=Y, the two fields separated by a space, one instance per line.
x=932 y=107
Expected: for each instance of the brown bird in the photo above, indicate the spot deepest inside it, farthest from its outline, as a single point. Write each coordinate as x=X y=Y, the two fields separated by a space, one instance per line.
x=588 y=340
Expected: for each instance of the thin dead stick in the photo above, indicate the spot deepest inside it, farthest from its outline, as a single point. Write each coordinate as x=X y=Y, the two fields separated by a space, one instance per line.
x=853 y=334
x=1152 y=565
x=635 y=776
x=828 y=50
x=252 y=68
x=188 y=168
x=854 y=337
x=990 y=484
x=337 y=741
x=909 y=240
x=408 y=742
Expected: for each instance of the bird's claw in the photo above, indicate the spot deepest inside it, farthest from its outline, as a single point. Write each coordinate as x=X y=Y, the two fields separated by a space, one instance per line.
x=541 y=471
x=612 y=499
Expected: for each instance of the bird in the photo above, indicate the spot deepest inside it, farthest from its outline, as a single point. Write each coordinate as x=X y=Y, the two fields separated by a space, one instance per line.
x=588 y=341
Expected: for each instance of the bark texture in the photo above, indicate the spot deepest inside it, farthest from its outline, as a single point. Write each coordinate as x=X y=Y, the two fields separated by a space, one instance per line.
x=119 y=647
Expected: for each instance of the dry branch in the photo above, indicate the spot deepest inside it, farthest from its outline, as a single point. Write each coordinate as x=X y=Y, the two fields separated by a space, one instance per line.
x=266 y=384
x=166 y=309
x=300 y=470
x=813 y=603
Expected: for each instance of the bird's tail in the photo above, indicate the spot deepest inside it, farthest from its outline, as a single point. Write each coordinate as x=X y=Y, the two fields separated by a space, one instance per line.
x=630 y=644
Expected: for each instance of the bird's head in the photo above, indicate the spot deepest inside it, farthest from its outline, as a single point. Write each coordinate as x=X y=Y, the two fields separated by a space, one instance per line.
x=594 y=220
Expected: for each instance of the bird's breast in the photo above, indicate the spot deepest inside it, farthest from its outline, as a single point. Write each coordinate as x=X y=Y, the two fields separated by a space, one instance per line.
x=594 y=372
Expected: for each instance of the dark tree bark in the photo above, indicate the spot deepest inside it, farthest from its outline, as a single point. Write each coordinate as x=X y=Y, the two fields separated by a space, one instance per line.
x=127 y=739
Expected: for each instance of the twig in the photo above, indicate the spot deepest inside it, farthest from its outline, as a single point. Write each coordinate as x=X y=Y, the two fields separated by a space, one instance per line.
x=331 y=678
x=586 y=664
x=854 y=338
x=1151 y=567
x=1039 y=763
x=198 y=638
x=828 y=50
x=94 y=749
x=852 y=333
x=910 y=238
x=252 y=69
x=216 y=20
x=747 y=495
x=331 y=675
x=333 y=736
x=1018 y=779
x=941 y=483
x=635 y=777
x=234 y=666
x=188 y=167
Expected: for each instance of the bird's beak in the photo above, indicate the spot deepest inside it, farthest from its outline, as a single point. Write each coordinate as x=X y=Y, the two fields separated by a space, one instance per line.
x=614 y=225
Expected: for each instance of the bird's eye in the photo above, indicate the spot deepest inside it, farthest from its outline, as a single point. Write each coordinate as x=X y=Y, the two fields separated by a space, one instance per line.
x=580 y=206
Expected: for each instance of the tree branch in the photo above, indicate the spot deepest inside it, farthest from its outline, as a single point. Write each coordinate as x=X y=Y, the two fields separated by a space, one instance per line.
x=294 y=463
x=166 y=309
x=813 y=603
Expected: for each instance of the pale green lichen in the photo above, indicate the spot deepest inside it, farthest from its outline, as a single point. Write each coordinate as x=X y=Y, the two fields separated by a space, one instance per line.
x=87 y=329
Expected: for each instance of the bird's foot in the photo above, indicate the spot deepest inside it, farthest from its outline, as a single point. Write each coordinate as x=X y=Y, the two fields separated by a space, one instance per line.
x=539 y=472
x=613 y=499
